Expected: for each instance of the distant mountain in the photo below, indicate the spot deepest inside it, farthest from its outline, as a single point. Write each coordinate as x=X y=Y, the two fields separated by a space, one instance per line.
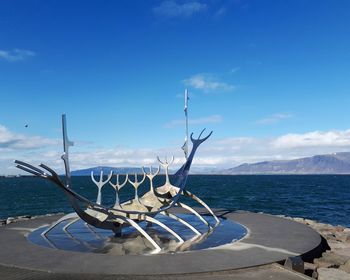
x=337 y=163
x=106 y=170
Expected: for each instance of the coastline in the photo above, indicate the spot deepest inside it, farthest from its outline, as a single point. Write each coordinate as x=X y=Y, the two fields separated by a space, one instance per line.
x=335 y=261
x=333 y=264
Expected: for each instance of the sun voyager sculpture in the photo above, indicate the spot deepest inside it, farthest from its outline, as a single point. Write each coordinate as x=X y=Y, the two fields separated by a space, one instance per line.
x=157 y=201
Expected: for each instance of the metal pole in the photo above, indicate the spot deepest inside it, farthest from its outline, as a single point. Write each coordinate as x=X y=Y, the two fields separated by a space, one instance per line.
x=185 y=145
x=65 y=155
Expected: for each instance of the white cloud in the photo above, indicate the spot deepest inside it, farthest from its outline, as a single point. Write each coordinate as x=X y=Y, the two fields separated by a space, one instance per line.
x=230 y=152
x=215 y=153
x=207 y=83
x=314 y=139
x=172 y=9
x=274 y=118
x=16 y=55
x=10 y=140
x=204 y=120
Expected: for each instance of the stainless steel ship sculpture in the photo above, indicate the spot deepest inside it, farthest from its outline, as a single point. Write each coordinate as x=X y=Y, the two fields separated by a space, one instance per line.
x=159 y=200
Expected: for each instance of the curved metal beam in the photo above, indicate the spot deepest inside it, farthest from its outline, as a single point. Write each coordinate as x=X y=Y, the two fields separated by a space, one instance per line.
x=159 y=223
x=65 y=228
x=183 y=205
x=201 y=202
x=144 y=233
x=166 y=213
x=64 y=218
x=76 y=240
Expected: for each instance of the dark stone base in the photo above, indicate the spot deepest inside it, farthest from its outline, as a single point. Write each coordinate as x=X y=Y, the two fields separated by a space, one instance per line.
x=270 y=239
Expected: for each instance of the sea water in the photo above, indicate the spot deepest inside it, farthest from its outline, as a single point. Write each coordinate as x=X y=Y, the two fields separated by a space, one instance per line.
x=325 y=198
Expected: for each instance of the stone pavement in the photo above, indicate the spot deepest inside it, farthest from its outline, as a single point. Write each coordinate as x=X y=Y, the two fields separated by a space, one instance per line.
x=271 y=239
x=267 y=272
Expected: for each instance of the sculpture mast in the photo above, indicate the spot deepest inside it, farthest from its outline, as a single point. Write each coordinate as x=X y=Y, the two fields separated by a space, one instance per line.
x=65 y=155
x=185 y=145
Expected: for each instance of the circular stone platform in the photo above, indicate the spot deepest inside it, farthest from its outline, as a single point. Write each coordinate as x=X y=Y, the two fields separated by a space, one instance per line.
x=270 y=239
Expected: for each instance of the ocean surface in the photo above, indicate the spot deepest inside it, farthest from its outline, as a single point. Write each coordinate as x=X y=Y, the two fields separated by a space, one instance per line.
x=325 y=198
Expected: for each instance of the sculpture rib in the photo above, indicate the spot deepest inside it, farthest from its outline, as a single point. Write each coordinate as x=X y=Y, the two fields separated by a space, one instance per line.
x=181 y=221
x=49 y=241
x=71 y=236
x=159 y=223
x=201 y=202
x=65 y=228
x=91 y=229
x=64 y=218
x=144 y=233
x=183 y=205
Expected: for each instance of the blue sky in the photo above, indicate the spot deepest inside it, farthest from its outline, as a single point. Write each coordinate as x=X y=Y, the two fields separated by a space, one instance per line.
x=271 y=78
